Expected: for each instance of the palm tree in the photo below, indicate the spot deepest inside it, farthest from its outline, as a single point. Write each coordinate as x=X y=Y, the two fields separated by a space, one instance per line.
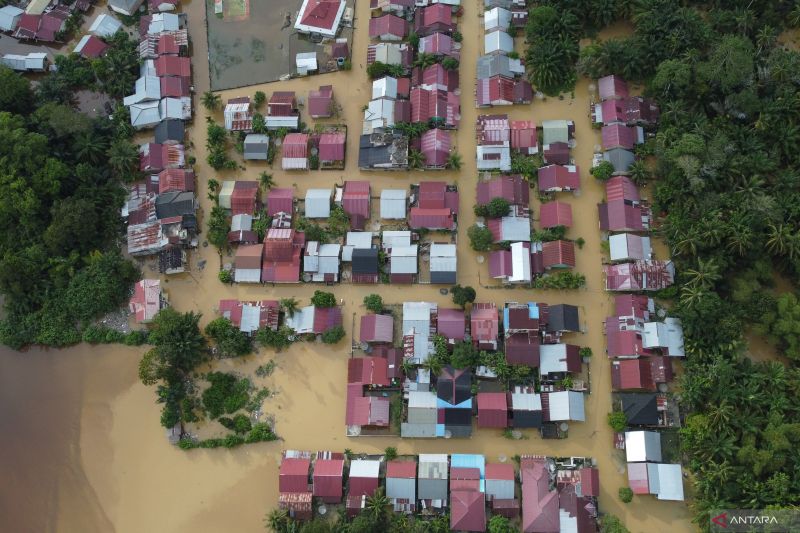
x=90 y=147
x=211 y=101
x=415 y=159
x=267 y=182
x=122 y=158
x=277 y=520
x=739 y=241
x=692 y=295
x=425 y=60
x=705 y=275
x=213 y=185
x=779 y=238
x=289 y=305
x=377 y=505
x=640 y=172
x=454 y=161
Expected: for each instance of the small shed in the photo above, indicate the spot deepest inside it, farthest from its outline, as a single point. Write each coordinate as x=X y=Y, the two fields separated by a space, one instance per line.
x=146 y=301
x=306 y=63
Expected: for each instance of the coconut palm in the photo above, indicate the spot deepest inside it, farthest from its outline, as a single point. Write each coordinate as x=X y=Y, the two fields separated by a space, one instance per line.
x=277 y=520
x=780 y=237
x=640 y=172
x=415 y=159
x=377 y=505
x=90 y=147
x=267 y=181
x=123 y=158
x=454 y=161
x=211 y=101
x=289 y=305
x=213 y=185
x=705 y=275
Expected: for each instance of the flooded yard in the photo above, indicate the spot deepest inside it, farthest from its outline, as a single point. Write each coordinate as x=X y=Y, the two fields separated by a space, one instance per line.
x=254 y=41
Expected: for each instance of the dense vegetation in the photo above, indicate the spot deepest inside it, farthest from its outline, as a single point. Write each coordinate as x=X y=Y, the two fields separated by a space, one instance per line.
x=60 y=200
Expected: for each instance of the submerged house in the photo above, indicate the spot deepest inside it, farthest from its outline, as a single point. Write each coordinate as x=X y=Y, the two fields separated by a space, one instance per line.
x=454 y=390
x=401 y=485
x=147 y=300
x=484 y=325
x=320 y=17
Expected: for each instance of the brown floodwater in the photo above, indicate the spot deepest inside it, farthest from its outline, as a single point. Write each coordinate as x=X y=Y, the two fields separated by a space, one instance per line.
x=87 y=453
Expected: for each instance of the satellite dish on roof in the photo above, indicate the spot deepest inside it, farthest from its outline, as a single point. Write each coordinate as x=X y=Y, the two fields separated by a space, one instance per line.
x=564 y=426
x=322 y=510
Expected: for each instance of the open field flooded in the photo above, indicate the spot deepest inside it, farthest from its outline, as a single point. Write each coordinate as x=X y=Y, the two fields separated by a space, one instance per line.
x=82 y=421
x=254 y=41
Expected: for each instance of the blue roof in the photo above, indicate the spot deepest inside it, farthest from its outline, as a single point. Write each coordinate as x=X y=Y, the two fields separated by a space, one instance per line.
x=533 y=310
x=470 y=460
x=442 y=404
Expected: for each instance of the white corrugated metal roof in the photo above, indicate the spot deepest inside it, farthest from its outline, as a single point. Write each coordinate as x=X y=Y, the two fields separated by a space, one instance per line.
x=391 y=239
x=302 y=321
x=667 y=335
x=443 y=258
x=364 y=468
x=520 y=263
x=552 y=358
x=318 y=203
x=525 y=401
x=384 y=88
x=105 y=25
x=555 y=131
x=403 y=260
x=670 y=482
x=242 y=222
x=566 y=405
x=642 y=446
x=394 y=204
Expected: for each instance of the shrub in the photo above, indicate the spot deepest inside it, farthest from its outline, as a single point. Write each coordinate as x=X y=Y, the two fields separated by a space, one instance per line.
x=618 y=421
x=230 y=340
x=480 y=238
x=333 y=335
x=603 y=171
x=462 y=295
x=323 y=299
x=373 y=302
x=275 y=339
x=390 y=453
x=259 y=98
x=625 y=494
x=225 y=276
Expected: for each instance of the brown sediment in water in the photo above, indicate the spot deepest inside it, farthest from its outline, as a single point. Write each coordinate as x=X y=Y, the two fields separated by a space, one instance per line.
x=115 y=450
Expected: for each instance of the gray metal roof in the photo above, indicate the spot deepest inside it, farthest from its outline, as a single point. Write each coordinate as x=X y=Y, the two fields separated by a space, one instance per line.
x=318 y=203
x=404 y=260
x=620 y=158
x=256 y=146
x=393 y=204
x=401 y=488
x=443 y=259
x=421 y=431
x=493 y=65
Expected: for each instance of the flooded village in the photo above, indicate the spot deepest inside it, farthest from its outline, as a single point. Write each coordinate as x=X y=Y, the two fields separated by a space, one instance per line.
x=554 y=340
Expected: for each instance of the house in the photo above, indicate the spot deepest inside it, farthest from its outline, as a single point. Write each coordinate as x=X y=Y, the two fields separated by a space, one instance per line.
x=403 y=264
x=256 y=147
x=125 y=7
x=147 y=89
x=443 y=263
x=539 y=503
x=280 y=200
x=320 y=102
x=435 y=147
x=315 y=320
x=377 y=328
x=629 y=247
x=105 y=25
x=608 y=112
x=559 y=359
x=621 y=136
x=454 y=390
x=562 y=406
x=156 y=157
x=423 y=416
x=397 y=6
x=247 y=264
x=489 y=66
x=243 y=199
x=484 y=325
x=175 y=87
x=28 y=26
x=162 y=5
x=526 y=408
x=620 y=158
x=510 y=229
x=434 y=18
x=641 y=409
x=612 y=88
x=432 y=475
x=365 y=266
x=496 y=18
x=182 y=67
x=636 y=374
x=512 y=266
x=331 y=150
x=282 y=111
x=293 y=484
x=175 y=179
x=642 y=446
x=666 y=336
x=320 y=17
x=492 y=410
x=90 y=47
x=499 y=479
x=633 y=306
x=321 y=261
x=239 y=114
x=622 y=215
x=147 y=300
x=498 y=42
x=159 y=23
x=497 y=90
x=242 y=230
x=554 y=214
x=641 y=111
x=563 y=318
x=639 y=276
x=401 y=485
x=439 y=45
x=364 y=477
x=390 y=54
x=388 y=28
x=524 y=136
x=513 y=189
x=556 y=153
x=295 y=152
x=467 y=510
x=10 y=17
x=175 y=108
x=431 y=219
x=417 y=338
x=356 y=203
x=664 y=480
x=170 y=131
x=394 y=204
x=380 y=114
x=519 y=18
x=328 y=479
x=249 y=317
x=557 y=131
x=355 y=240
x=623 y=341
x=385 y=87
x=281 y=260
x=494 y=148
x=31 y=62
x=558 y=254
x=451 y=325
x=558 y=178
x=434 y=105
x=145 y=115
x=368 y=371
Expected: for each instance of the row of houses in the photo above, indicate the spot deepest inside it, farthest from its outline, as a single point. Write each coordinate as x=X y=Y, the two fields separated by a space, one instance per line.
x=160 y=212
x=426 y=94
x=500 y=72
x=41 y=20
x=548 y=494
x=641 y=340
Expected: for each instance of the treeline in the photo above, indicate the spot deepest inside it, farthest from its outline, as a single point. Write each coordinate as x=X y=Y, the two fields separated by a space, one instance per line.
x=728 y=190
x=60 y=226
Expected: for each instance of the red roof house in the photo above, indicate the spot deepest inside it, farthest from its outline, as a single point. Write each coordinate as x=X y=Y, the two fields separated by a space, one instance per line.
x=173 y=66
x=146 y=300
x=556 y=153
x=513 y=189
x=436 y=105
x=484 y=325
x=492 y=410
x=356 y=202
x=282 y=253
x=590 y=481
x=623 y=343
x=243 y=199
x=156 y=157
x=364 y=477
x=467 y=508
x=388 y=28
x=320 y=102
x=326 y=318
x=621 y=136
x=295 y=152
x=632 y=374
x=497 y=90
x=638 y=479
x=437 y=17
x=438 y=44
x=293 y=476
x=523 y=349
x=369 y=371
x=92 y=47
x=329 y=480
x=632 y=305
x=435 y=147
x=433 y=77
x=370 y=411
x=441 y=219
x=174 y=87
x=638 y=110
x=622 y=188
x=557 y=178
x=620 y=215
x=53 y=22
x=280 y=200
x=320 y=16
x=524 y=136
x=28 y=26
x=175 y=179
x=331 y=148
x=268 y=313
x=431 y=194
x=451 y=324
x=558 y=254
x=539 y=503
x=377 y=328
x=555 y=213
x=612 y=88
x=282 y=104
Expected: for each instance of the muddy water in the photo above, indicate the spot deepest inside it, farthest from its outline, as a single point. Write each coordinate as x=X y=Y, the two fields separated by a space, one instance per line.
x=109 y=448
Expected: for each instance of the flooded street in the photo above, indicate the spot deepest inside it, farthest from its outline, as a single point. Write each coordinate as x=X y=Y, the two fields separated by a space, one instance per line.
x=89 y=454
